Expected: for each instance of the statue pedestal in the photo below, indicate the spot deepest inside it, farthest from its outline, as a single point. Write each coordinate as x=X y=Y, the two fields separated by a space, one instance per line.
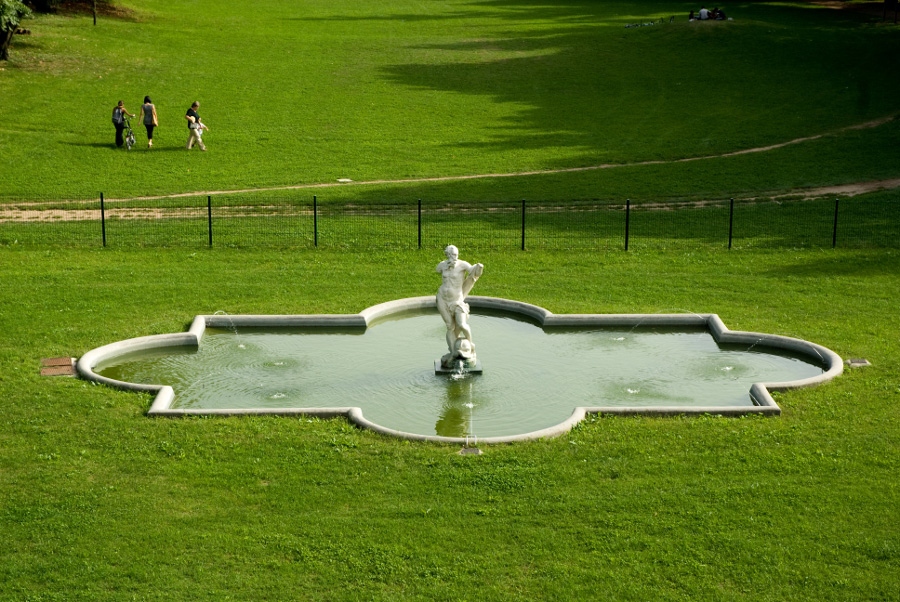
x=468 y=366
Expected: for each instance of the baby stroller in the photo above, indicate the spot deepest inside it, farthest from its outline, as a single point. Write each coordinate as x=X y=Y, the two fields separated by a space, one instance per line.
x=129 y=134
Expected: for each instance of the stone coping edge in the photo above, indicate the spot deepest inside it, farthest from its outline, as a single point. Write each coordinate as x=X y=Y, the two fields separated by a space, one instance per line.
x=759 y=392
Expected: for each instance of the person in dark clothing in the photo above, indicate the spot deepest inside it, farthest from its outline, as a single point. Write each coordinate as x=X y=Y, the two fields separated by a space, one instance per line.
x=118 y=119
x=194 y=127
x=148 y=118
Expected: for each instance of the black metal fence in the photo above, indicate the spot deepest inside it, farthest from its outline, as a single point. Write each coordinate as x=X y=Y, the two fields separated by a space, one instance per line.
x=221 y=221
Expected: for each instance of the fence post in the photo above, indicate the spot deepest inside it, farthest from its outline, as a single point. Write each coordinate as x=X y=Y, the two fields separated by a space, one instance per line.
x=103 y=219
x=523 y=224
x=834 y=234
x=315 y=221
x=627 y=220
x=730 y=224
x=209 y=217
x=420 y=223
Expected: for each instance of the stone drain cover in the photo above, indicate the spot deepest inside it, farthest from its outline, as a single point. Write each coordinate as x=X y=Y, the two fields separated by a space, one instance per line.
x=58 y=366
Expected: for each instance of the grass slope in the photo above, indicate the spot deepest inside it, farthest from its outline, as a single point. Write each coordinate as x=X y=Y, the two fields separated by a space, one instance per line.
x=99 y=502
x=316 y=91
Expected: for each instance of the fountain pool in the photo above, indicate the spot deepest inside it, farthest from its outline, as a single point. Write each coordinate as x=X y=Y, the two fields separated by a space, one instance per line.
x=542 y=373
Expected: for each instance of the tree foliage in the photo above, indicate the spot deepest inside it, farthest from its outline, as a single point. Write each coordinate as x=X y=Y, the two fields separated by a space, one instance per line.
x=43 y=6
x=11 y=14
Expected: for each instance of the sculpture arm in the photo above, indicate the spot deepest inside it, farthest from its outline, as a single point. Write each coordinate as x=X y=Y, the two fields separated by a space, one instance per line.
x=475 y=272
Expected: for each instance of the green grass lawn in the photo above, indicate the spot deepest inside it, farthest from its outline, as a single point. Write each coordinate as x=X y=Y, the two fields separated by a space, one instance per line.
x=99 y=502
x=311 y=92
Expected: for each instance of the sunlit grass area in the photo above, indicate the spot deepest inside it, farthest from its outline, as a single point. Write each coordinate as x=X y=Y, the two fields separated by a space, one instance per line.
x=98 y=501
x=314 y=92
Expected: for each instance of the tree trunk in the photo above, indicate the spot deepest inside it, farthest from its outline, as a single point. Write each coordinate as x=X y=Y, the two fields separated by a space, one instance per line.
x=94 y=9
x=5 y=38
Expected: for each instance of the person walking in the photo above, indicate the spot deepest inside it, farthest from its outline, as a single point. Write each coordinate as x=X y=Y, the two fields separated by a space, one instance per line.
x=148 y=118
x=194 y=127
x=118 y=119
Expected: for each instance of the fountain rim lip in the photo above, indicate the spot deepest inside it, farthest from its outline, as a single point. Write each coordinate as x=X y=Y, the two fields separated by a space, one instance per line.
x=761 y=392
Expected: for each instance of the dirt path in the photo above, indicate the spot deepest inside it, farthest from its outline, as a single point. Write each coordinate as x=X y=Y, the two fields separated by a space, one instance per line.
x=17 y=214
x=843 y=190
x=864 y=187
x=20 y=211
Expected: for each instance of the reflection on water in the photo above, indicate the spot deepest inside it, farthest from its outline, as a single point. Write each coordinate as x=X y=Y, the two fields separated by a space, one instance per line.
x=532 y=378
x=457 y=414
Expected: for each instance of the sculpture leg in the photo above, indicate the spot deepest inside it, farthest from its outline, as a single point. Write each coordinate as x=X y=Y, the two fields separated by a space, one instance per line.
x=462 y=325
x=451 y=338
x=449 y=321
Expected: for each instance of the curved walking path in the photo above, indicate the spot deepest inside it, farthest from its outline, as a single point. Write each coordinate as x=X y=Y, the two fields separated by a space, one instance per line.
x=849 y=189
x=17 y=213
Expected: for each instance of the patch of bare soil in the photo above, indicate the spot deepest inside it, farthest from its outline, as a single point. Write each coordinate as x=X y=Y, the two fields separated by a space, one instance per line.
x=104 y=9
x=843 y=190
x=867 y=8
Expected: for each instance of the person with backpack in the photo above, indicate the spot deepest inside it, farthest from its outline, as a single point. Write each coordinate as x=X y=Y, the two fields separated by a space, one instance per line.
x=118 y=119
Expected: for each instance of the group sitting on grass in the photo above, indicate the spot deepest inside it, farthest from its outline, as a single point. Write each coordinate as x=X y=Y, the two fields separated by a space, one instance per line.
x=704 y=14
x=715 y=14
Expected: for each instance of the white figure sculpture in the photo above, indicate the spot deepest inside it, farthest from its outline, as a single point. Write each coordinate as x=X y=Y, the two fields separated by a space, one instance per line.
x=458 y=279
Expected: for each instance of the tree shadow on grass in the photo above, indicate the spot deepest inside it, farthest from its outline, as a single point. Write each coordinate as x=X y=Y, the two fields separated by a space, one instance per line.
x=578 y=80
x=849 y=263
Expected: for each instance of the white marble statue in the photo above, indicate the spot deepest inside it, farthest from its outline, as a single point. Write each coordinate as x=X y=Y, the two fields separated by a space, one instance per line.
x=458 y=279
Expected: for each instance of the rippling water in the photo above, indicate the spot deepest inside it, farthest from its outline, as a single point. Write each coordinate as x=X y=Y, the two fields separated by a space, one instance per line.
x=532 y=378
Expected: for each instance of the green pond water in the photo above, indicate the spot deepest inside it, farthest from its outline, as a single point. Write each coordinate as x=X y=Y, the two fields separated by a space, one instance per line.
x=533 y=378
